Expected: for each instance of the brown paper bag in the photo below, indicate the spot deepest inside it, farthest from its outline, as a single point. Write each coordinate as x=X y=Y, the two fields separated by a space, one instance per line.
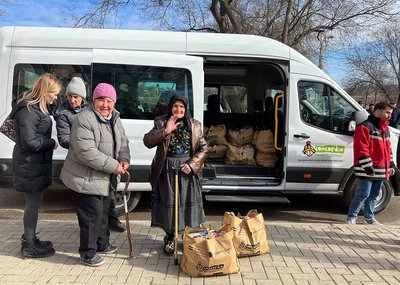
x=263 y=141
x=216 y=135
x=243 y=155
x=249 y=233
x=240 y=137
x=209 y=256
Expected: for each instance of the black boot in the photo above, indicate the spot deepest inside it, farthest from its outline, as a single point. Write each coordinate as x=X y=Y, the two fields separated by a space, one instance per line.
x=33 y=249
x=43 y=243
x=115 y=225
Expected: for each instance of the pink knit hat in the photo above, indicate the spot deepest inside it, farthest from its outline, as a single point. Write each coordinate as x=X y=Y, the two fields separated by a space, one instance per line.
x=105 y=90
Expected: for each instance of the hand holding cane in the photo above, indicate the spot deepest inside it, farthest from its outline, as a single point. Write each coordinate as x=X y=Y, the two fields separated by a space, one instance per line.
x=176 y=172
x=128 y=229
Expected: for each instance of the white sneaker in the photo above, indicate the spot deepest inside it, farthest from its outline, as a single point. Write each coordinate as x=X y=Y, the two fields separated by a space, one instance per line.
x=351 y=220
x=372 y=221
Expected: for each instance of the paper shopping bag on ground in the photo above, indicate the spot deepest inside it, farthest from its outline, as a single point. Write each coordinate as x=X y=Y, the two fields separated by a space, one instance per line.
x=209 y=253
x=249 y=233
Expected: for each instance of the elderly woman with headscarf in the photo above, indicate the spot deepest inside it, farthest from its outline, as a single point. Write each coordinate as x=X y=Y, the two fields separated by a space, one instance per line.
x=180 y=144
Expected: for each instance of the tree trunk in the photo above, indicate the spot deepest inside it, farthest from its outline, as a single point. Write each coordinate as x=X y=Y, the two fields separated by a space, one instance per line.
x=285 y=32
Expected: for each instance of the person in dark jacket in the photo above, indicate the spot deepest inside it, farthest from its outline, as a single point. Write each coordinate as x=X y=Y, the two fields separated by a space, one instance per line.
x=98 y=152
x=32 y=157
x=373 y=162
x=394 y=119
x=180 y=143
x=66 y=113
x=64 y=117
x=370 y=109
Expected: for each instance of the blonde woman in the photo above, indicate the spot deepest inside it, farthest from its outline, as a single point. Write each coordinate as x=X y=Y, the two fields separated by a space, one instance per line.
x=32 y=157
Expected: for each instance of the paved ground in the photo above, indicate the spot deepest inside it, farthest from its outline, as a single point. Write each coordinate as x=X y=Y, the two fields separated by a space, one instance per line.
x=301 y=253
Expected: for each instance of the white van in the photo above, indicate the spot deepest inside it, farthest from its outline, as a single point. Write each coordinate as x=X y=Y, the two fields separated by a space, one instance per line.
x=308 y=112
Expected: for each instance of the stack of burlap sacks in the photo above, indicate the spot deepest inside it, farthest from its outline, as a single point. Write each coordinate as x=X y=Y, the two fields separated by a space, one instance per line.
x=217 y=254
x=243 y=146
x=216 y=139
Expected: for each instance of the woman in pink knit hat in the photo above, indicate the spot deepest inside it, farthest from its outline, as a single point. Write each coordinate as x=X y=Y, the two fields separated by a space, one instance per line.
x=98 y=152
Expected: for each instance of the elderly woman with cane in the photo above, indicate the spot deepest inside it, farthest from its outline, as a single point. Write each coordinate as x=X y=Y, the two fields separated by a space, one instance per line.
x=97 y=153
x=180 y=144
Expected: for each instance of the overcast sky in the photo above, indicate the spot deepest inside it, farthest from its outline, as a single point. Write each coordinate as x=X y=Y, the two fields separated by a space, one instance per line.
x=58 y=13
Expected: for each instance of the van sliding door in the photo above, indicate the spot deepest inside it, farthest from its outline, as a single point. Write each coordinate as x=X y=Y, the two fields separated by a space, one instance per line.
x=144 y=82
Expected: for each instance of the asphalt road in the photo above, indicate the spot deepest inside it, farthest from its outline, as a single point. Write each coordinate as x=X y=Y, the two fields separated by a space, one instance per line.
x=57 y=205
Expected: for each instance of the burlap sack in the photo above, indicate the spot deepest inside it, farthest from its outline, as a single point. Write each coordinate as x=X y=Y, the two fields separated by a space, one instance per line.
x=249 y=233
x=240 y=137
x=263 y=141
x=205 y=131
x=266 y=159
x=243 y=155
x=209 y=256
x=216 y=135
x=217 y=152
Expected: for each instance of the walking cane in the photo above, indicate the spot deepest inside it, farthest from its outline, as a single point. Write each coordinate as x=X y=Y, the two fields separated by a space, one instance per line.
x=128 y=229
x=176 y=172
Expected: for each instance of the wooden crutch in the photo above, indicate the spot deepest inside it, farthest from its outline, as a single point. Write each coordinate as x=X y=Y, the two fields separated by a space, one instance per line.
x=128 y=228
x=176 y=212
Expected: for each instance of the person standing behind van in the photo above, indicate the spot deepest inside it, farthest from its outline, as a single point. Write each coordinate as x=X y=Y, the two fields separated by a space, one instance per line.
x=64 y=117
x=32 y=157
x=98 y=152
x=180 y=144
x=370 y=109
x=394 y=119
x=373 y=162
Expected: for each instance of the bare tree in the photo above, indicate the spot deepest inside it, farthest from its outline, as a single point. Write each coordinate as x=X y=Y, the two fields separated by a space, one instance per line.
x=378 y=63
x=289 y=21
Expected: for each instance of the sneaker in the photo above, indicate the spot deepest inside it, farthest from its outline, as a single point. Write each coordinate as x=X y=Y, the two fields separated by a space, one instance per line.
x=351 y=220
x=108 y=250
x=96 y=260
x=372 y=221
x=115 y=225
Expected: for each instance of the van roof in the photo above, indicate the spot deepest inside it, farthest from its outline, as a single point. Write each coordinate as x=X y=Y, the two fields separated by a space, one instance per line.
x=210 y=43
x=206 y=44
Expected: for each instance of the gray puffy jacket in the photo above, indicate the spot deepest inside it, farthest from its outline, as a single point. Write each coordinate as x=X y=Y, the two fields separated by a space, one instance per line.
x=93 y=154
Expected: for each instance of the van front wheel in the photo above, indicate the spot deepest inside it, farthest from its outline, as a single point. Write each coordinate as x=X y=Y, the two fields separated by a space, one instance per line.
x=383 y=199
x=132 y=200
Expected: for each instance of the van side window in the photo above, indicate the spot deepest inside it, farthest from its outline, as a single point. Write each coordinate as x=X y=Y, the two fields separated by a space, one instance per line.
x=324 y=107
x=25 y=75
x=227 y=105
x=233 y=98
x=143 y=92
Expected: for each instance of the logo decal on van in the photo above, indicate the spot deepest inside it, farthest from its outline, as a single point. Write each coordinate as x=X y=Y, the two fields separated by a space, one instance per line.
x=308 y=149
x=323 y=150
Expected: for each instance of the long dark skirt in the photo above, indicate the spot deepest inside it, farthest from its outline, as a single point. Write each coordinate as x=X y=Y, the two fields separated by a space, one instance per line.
x=191 y=211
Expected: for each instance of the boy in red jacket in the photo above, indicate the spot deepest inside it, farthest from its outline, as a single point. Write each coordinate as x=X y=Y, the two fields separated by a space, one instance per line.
x=373 y=162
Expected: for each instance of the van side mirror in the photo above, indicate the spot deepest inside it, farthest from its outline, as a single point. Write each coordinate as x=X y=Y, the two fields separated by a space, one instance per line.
x=357 y=117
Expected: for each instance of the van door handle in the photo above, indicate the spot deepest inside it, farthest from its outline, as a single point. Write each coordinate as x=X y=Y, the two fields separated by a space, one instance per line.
x=301 y=136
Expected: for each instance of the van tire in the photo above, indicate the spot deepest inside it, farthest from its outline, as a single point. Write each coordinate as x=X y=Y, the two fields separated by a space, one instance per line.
x=383 y=199
x=132 y=198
